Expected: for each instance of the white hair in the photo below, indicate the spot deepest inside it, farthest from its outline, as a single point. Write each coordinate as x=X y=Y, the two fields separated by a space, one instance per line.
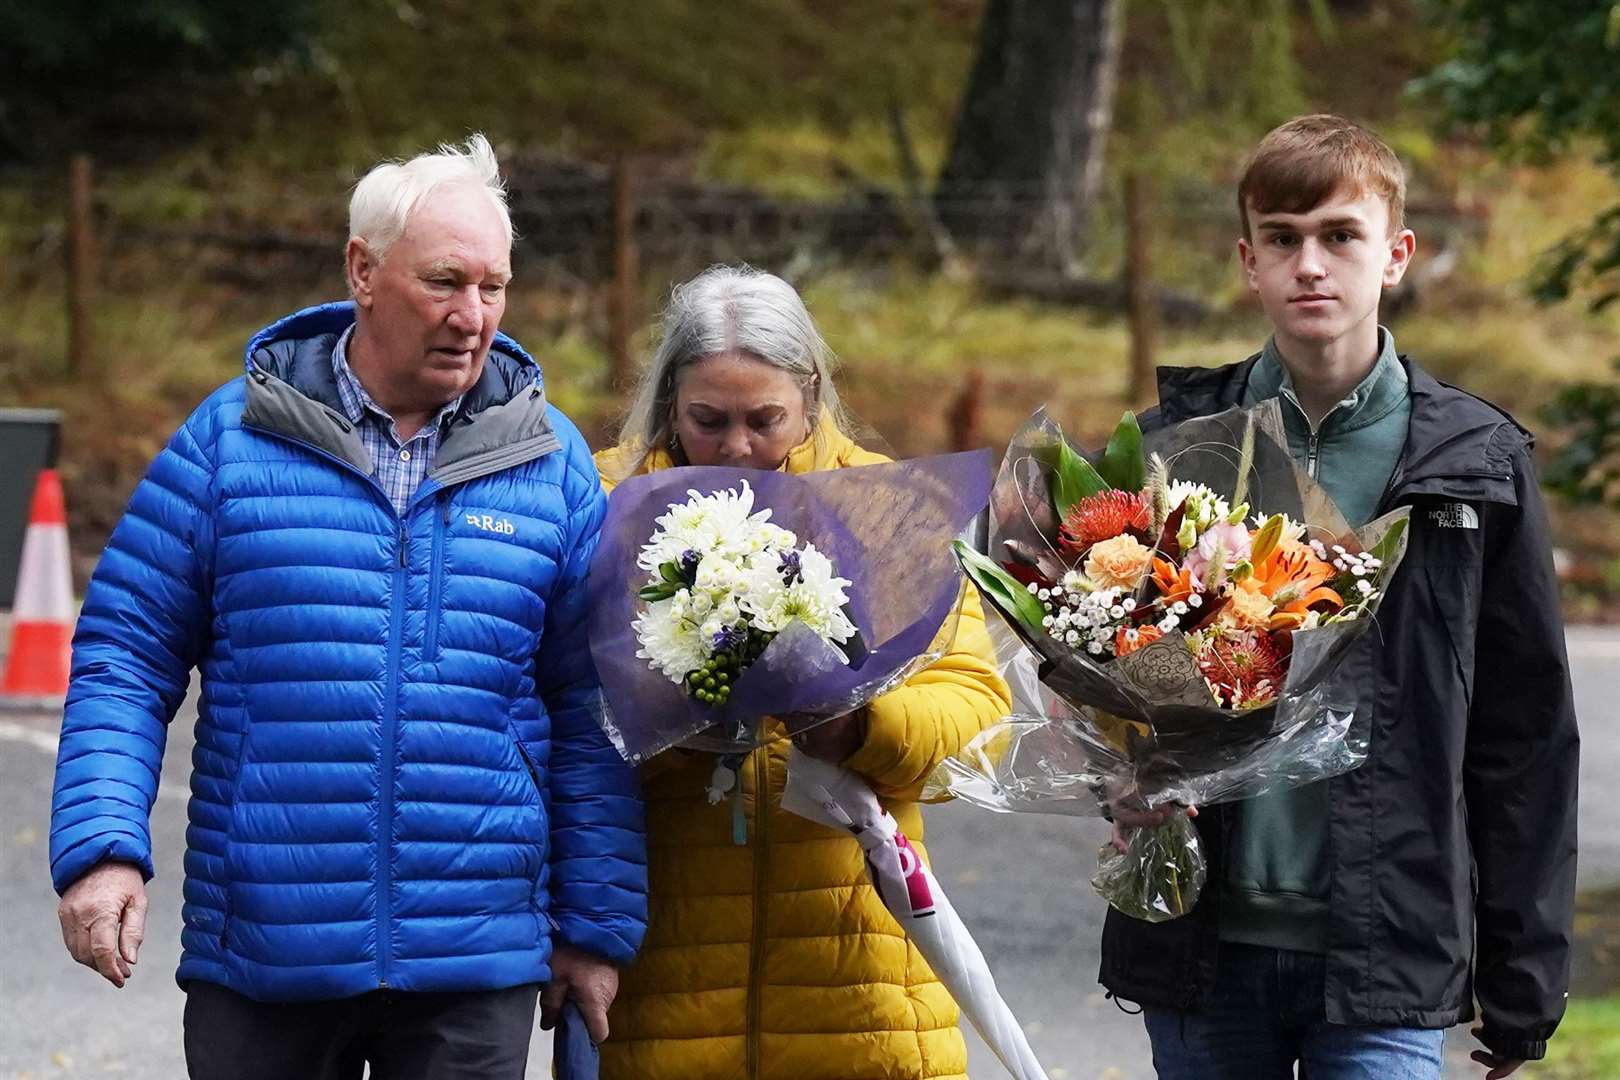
x=385 y=197
x=731 y=309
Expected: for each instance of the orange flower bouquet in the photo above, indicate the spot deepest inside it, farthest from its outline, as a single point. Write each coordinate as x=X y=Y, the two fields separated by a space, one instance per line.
x=1190 y=650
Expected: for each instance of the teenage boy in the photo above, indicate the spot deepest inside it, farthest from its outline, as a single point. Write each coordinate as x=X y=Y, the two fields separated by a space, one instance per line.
x=1347 y=923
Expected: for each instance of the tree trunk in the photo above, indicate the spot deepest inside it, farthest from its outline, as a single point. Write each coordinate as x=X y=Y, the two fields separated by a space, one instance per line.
x=81 y=265
x=1139 y=293
x=1026 y=159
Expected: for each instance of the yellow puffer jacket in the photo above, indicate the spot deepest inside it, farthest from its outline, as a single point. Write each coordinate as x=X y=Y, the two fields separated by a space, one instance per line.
x=776 y=959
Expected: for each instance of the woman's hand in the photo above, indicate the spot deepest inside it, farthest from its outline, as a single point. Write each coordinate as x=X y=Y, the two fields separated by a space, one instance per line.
x=832 y=740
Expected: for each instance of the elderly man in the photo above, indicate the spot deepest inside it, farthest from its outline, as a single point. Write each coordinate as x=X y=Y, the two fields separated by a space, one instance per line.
x=404 y=817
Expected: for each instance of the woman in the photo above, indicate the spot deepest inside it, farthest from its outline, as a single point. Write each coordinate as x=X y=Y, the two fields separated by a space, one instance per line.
x=776 y=958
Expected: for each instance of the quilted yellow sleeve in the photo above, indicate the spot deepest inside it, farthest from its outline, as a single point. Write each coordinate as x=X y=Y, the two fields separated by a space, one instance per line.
x=912 y=729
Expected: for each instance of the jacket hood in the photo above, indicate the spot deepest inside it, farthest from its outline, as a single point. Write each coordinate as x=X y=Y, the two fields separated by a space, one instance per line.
x=298 y=350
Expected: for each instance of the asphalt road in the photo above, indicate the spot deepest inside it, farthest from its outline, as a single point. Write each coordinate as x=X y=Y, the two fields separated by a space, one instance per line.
x=1019 y=882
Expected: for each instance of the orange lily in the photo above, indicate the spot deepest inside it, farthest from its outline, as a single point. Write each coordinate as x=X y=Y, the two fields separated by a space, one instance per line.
x=1294 y=578
x=1173 y=582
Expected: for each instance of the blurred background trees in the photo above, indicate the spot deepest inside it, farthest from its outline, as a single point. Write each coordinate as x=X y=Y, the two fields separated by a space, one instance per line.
x=1542 y=81
x=989 y=203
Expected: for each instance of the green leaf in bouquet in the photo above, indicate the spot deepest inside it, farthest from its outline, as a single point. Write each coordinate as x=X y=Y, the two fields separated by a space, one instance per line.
x=1003 y=590
x=654 y=593
x=1389 y=545
x=1124 y=465
x=671 y=573
x=1073 y=478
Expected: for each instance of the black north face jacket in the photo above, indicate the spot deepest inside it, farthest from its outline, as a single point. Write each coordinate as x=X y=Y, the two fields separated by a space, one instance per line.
x=1452 y=847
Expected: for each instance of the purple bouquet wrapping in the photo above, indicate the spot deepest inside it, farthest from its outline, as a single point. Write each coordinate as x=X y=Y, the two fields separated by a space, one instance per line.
x=886 y=531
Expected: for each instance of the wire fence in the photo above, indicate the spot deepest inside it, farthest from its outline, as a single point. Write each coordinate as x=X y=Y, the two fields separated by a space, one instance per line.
x=587 y=228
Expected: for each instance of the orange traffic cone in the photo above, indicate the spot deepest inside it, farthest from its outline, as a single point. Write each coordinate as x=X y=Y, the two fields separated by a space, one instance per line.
x=42 y=614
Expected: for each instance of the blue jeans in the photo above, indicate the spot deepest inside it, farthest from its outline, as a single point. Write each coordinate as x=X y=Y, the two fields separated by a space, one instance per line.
x=1265 y=1014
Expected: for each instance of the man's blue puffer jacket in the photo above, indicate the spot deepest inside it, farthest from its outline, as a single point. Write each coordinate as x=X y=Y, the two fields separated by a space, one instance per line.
x=398 y=780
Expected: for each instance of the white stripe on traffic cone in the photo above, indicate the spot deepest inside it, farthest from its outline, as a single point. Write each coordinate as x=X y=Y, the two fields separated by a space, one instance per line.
x=42 y=613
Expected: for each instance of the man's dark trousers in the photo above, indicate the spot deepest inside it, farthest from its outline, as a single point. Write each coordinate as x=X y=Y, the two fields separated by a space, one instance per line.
x=482 y=1035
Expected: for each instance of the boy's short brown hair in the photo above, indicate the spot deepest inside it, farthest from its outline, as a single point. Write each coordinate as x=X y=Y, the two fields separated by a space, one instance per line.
x=1300 y=164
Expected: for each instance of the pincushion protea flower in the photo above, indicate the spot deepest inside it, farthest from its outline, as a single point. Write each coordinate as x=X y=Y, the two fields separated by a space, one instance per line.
x=1244 y=669
x=1103 y=515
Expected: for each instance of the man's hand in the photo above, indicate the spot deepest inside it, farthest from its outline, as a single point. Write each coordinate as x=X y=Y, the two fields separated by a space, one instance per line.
x=103 y=917
x=587 y=979
x=1496 y=1068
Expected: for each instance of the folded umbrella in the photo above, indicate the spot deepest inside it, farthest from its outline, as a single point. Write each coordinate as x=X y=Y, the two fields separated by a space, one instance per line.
x=839 y=799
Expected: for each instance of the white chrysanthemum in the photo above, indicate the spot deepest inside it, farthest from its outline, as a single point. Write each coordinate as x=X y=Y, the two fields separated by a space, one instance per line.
x=716 y=574
x=768 y=537
x=721 y=524
x=816 y=597
x=672 y=645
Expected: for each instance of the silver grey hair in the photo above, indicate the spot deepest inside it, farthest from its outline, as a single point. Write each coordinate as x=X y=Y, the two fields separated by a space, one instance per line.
x=731 y=309
x=385 y=197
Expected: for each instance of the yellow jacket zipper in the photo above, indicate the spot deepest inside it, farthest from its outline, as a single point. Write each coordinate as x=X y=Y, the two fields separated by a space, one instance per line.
x=756 y=951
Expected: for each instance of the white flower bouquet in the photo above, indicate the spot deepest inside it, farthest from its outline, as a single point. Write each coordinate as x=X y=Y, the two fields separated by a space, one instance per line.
x=724 y=582
x=722 y=596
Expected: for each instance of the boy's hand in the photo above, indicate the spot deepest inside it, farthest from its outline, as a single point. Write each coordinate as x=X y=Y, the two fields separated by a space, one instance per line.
x=1128 y=819
x=1496 y=1068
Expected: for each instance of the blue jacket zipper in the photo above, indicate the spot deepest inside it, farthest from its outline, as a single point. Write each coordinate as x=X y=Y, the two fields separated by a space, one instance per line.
x=441 y=522
x=390 y=748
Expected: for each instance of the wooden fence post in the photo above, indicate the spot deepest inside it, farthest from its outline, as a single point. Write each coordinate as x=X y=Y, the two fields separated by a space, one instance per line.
x=626 y=275
x=81 y=265
x=962 y=418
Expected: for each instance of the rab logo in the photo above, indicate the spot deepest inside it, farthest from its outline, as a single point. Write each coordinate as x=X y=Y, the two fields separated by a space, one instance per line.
x=1455 y=516
x=489 y=524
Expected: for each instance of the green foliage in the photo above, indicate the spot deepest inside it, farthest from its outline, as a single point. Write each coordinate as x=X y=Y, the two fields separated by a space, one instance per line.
x=671 y=580
x=1542 y=80
x=1540 y=76
x=1200 y=78
x=1593 y=251
x=1587 y=469
x=1586 y=1045
x=1073 y=478
x=1003 y=590
x=1124 y=464
x=601 y=77
x=73 y=71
